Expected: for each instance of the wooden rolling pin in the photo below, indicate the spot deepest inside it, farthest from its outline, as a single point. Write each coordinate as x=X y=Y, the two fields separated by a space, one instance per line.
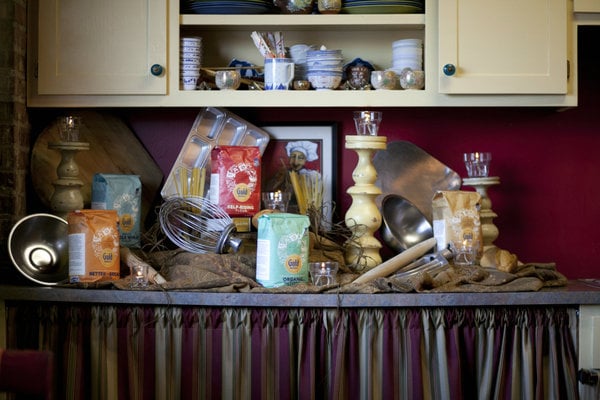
x=395 y=263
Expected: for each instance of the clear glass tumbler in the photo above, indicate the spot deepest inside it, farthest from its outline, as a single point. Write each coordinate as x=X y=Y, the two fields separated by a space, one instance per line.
x=478 y=164
x=323 y=273
x=68 y=128
x=276 y=200
x=367 y=122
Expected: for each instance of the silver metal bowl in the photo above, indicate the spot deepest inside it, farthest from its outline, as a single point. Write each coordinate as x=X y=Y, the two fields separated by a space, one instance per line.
x=403 y=225
x=38 y=247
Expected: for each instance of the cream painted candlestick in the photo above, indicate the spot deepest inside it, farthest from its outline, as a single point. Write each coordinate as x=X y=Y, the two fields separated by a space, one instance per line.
x=489 y=231
x=67 y=188
x=363 y=217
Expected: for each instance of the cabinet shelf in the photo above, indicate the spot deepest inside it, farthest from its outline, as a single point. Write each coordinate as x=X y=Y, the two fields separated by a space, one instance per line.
x=367 y=22
x=308 y=98
x=365 y=36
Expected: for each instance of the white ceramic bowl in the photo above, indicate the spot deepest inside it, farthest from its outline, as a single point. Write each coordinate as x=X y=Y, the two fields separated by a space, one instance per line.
x=189 y=50
x=195 y=41
x=399 y=66
x=325 y=82
x=407 y=42
x=190 y=67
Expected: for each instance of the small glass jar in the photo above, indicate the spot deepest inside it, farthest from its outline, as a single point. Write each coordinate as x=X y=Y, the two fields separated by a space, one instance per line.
x=329 y=6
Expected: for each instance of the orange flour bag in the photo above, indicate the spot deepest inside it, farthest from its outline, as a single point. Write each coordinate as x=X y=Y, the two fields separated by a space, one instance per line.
x=93 y=245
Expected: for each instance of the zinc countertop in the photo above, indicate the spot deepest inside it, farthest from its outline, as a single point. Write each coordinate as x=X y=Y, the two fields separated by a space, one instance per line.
x=576 y=292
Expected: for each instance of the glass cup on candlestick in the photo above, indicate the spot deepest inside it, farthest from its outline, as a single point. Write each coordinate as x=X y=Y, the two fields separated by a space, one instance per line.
x=478 y=164
x=367 y=122
x=68 y=127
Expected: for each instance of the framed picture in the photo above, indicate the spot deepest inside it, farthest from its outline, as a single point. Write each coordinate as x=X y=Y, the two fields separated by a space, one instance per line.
x=318 y=145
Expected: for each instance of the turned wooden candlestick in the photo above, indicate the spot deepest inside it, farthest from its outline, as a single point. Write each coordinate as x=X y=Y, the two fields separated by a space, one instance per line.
x=489 y=231
x=67 y=188
x=363 y=217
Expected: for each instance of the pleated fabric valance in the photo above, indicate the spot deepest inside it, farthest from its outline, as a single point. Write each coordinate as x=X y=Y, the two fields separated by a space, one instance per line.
x=148 y=352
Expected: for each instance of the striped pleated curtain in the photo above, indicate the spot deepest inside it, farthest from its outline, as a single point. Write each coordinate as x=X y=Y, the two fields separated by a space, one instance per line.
x=147 y=352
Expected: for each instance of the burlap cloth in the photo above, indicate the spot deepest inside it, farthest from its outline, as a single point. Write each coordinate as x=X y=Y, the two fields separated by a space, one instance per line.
x=229 y=273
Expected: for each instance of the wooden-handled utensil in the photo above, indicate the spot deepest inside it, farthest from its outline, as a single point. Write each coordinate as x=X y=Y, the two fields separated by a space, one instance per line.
x=395 y=263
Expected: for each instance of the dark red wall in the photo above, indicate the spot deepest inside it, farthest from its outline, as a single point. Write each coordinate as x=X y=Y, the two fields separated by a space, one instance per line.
x=548 y=200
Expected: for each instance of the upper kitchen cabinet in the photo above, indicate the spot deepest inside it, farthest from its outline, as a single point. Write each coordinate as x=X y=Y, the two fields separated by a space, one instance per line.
x=90 y=47
x=587 y=6
x=89 y=53
x=503 y=47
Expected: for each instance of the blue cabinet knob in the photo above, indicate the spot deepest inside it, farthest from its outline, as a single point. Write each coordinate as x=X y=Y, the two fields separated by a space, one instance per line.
x=156 y=70
x=449 y=69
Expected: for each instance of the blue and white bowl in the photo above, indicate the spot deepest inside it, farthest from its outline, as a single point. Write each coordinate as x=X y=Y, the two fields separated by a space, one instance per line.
x=325 y=80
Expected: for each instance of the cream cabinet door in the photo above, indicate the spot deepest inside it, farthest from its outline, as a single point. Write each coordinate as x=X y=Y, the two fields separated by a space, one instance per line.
x=102 y=47
x=503 y=47
x=587 y=6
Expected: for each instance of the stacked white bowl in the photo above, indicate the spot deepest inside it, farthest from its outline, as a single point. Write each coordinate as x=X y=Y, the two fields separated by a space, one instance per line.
x=298 y=55
x=407 y=53
x=190 y=61
x=324 y=68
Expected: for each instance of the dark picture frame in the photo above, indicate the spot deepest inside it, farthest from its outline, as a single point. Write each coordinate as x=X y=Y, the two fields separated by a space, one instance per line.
x=324 y=135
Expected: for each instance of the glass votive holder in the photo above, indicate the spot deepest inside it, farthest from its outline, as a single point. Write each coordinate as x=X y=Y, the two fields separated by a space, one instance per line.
x=367 y=122
x=139 y=276
x=68 y=127
x=465 y=252
x=478 y=164
x=276 y=200
x=323 y=273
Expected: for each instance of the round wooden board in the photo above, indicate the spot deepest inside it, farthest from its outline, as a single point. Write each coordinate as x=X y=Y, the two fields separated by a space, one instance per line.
x=114 y=149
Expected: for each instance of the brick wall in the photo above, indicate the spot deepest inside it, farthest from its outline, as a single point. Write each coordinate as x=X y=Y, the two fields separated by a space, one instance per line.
x=14 y=125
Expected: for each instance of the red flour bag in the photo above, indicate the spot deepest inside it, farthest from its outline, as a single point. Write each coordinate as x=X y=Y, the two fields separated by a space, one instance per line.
x=235 y=179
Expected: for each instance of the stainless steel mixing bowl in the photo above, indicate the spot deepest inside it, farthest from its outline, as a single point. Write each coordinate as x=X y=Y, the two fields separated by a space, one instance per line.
x=403 y=225
x=38 y=247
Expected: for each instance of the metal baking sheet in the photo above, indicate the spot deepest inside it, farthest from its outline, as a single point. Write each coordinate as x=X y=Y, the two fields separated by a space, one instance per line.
x=405 y=169
x=213 y=126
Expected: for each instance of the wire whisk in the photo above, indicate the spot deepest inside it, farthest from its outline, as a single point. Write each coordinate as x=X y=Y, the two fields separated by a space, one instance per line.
x=197 y=225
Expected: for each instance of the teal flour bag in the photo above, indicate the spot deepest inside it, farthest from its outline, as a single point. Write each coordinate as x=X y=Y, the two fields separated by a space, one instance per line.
x=282 y=249
x=122 y=193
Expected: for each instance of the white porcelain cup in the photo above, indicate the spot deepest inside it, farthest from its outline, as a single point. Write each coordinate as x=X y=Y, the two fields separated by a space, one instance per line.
x=189 y=82
x=279 y=73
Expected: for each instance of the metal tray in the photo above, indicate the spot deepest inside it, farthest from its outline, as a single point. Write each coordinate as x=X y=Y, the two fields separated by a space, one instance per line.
x=212 y=127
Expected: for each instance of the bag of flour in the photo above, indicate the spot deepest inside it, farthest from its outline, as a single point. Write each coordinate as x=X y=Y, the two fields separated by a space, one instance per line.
x=122 y=193
x=94 y=250
x=282 y=249
x=456 y=224
x=235 y=179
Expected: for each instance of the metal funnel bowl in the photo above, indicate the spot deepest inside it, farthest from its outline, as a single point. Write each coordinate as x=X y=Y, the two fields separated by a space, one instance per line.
x=403 y=224
x=38 y=247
